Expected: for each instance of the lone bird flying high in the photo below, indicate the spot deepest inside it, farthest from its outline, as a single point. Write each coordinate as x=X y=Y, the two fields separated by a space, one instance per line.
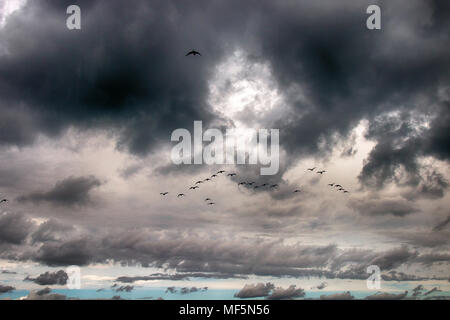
x=193 y=52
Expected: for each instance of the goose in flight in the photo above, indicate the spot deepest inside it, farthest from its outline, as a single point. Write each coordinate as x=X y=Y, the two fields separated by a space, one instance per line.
x=264 y=184
x=250 y=183
x=321 y=172
x=208 y=199
x=231 y=174
x=296 y=190
x=163 y=193
x=4 y=200
x=331 y=184
x=193 y=52
x=180 y=195
x=221 y=171
x=241 y=183
x=211 y=203
x=207 y=179
x=311 y=169
x=345 y=191
x=199 y=182
x=193 y=188
x=274 y=186
x=338 y=186
x=214 y=175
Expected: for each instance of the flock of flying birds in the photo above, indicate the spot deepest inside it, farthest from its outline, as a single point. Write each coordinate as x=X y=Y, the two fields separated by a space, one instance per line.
x=250 y=184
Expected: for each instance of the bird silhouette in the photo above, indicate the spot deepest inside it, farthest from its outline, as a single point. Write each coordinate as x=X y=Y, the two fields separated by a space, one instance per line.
x=4 y=200
x=274 y=186
x=193 y=52
x=193 y=188
x=231 y=174
x=331 y=184
x=198 y=182
x=250 y=183
x=180 y=195
x=338 y=186
x=221 y=171
x=241 y=183
x=296 y=190
x=311 y=169
x=211 y=203
x=345 y=191
x=163 y=193
x=321 y=172
x=207 y=179
x=214 y=175
x=208 y=199
x=264 y=184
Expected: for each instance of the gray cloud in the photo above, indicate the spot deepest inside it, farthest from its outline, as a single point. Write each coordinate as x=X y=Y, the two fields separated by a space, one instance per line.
x=6 y=289
x=177 y=276
x=377 y=207
x=187 y=290
x=14 y=228
x=126 y=288
x=72 y=191
x=50 y=278
x=255 y=290
x=387 y=296
x=338 y=296
x=291 y=292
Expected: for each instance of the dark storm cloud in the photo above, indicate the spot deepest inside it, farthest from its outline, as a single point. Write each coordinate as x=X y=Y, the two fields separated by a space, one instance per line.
x=50 y=278
x=14 y=228
x=378 y=207
x=348 y=73
x=400 y=143
x=71 y=252
x=126 y=70
x=192 y=256
x=72 y=191
x=50 y=230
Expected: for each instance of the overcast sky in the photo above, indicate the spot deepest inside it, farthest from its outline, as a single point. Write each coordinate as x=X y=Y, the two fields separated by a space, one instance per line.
x=87 y=115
